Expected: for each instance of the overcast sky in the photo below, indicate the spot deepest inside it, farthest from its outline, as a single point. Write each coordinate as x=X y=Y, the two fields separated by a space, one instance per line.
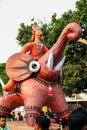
x=14 y=12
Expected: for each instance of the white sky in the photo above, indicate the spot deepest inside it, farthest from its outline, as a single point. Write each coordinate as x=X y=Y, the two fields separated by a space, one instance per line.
x=14 y=12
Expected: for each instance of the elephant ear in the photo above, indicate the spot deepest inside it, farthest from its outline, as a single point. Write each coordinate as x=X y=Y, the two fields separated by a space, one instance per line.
x=17 y=66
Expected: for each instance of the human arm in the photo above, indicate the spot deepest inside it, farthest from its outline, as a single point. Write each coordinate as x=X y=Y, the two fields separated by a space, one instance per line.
x=26 y=48
x=45 y=49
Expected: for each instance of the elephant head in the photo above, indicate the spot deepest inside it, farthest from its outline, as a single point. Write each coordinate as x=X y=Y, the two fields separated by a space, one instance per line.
x=37 y=77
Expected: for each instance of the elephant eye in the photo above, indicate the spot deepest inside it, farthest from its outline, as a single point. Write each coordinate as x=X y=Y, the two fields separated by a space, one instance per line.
x=34 y=66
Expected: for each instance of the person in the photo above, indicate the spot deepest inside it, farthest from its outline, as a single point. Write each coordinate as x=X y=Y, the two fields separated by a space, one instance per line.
x=78 y=119
x=13 y=116
x=41 y=123
x=64 y=124
x=20 y=117
x=3 y=125
x=56 y=118
x=34 y=48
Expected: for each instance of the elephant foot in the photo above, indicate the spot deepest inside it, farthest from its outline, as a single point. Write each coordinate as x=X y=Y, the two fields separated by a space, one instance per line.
x=31 y=112
x=30 y=121
x=65 y=116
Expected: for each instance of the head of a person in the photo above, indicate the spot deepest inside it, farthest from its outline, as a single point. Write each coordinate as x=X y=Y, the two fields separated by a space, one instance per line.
x=42 y=123
x=19 y=113
x=2 y=121
x=64 y=123
x=36 y=32
x=78 y=119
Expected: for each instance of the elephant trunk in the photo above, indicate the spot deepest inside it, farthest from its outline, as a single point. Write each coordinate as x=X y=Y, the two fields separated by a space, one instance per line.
x=71 y=32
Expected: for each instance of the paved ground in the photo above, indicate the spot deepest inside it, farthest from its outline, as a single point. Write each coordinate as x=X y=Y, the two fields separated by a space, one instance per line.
x=18 y=125
x=21 y=125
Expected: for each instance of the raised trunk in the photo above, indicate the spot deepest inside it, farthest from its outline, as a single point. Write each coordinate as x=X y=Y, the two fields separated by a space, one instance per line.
x=71 y=32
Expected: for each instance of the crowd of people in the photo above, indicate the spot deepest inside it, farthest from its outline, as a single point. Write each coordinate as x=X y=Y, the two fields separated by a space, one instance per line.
x=76 y=121
x=16 y=116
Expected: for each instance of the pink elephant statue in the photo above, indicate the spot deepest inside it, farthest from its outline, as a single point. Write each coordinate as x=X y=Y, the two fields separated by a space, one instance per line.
x=36 y=78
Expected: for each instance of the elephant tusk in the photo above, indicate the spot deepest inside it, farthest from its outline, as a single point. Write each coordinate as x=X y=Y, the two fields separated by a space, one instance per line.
x=60 y=64
x=50 y=61
x=34 y=66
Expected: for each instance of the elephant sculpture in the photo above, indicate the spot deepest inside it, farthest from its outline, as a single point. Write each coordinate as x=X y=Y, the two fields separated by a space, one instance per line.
x=34 y=78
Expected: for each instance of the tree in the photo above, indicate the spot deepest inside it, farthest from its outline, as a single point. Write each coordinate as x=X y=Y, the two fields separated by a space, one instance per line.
x=24 y=34
x=76 y=62
x=3 y=76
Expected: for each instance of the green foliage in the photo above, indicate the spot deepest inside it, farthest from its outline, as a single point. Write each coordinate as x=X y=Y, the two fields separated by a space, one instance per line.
x=3 y=75
x=74 y=78
x=76 y=62
x=24 y=34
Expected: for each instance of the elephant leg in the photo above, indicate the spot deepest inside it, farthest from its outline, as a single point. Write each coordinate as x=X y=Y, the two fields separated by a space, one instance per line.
x=34 y=95
x=58 y=103
x=10 y=102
